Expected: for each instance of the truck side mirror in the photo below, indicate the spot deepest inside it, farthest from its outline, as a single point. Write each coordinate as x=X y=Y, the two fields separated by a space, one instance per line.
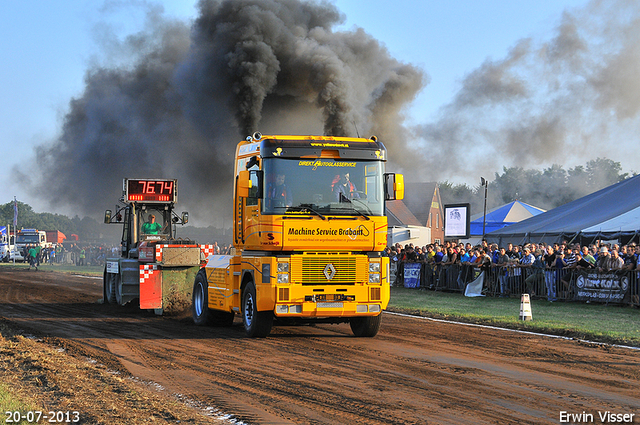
x=393 y=186
x=243 y=184
x=398 y=186
x=107 y=216
x=185 y=217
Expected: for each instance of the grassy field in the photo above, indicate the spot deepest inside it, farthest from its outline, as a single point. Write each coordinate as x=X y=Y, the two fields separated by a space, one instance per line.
x=9 y=402
x=595 y=322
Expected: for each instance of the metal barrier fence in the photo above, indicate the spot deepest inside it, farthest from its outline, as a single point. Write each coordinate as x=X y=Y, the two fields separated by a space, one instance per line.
x=619 y=286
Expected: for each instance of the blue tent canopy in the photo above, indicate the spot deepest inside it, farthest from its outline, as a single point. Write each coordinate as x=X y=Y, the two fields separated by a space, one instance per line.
x=502 y=216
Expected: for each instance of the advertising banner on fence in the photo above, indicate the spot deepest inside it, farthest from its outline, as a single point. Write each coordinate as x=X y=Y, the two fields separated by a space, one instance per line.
x=412 y=275
x=603 y=287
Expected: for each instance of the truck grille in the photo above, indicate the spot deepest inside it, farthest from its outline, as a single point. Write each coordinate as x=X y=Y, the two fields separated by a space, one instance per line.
x=329 y=269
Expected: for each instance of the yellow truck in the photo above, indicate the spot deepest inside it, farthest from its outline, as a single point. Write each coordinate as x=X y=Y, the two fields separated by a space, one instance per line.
x=308 y=236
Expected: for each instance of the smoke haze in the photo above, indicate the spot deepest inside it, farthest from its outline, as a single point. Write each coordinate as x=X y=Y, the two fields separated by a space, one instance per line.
x=178 y=96
x=563 y=101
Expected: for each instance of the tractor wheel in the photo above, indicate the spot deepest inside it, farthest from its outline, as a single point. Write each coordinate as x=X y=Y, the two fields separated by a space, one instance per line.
x=109 y=290
x=256 y=323
x=365 y=326
x=117 y=288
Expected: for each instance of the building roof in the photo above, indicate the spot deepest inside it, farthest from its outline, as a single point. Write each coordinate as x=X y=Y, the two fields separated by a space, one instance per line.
x=418 y=197
x=399 y=215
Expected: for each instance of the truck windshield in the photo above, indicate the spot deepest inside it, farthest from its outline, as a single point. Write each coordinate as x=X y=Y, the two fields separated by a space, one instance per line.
x=28 y=239
x=325 y=186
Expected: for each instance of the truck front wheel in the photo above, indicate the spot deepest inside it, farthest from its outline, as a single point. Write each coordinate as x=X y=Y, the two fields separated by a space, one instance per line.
x=365 y=326
x=256 y=323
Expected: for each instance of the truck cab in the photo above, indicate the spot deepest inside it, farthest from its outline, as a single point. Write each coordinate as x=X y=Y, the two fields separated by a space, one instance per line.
x=305 y=193
x=4 y=244
x=308 y=236
x=25 y=237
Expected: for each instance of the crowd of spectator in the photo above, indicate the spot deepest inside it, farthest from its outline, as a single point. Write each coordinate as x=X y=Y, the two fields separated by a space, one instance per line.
x=85 y=255
x=555 y=265
x=79 y=254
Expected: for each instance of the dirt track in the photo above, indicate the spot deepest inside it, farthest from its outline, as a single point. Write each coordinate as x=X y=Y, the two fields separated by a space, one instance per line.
x=414 y=371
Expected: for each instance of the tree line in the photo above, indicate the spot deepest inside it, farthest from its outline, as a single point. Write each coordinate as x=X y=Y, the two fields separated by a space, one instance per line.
x=547 y=188
x=91 y=230
x=87 y=228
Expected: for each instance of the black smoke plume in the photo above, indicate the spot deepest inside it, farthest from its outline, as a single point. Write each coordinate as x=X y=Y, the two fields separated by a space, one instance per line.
x=181 y=96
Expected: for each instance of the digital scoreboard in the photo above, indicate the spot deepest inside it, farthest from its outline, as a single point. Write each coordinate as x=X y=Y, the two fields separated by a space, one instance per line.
x=150 y=190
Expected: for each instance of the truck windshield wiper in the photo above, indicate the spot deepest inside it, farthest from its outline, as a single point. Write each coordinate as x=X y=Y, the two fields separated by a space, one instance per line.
x=308 y=208
x=357 y=211
x=361 y=213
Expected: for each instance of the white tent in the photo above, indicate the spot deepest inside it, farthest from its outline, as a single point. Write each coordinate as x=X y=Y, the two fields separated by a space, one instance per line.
x=626 y=223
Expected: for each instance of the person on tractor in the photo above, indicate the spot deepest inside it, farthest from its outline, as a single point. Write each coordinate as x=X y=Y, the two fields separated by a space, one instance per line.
x=151 y=227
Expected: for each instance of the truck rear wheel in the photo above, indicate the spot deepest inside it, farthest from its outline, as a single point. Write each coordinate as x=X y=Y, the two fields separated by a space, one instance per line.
x=256 y=323
x=365 y=326
x=201 y=313
x=200 y=305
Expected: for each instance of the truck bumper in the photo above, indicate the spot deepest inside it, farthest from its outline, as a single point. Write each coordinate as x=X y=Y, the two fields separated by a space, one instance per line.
x=341 y=301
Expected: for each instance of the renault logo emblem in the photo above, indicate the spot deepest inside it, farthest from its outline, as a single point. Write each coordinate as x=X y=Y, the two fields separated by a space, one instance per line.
x=329 y=271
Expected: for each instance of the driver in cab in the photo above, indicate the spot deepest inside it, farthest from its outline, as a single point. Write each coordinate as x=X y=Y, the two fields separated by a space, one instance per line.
x=343 y=188
x=278 y=194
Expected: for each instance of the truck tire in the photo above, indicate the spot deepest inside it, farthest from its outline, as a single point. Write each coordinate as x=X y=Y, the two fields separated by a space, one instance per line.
x=200 y=305
x=257 y=324
x=365 y=326
x=109 y=290
x=200 y=311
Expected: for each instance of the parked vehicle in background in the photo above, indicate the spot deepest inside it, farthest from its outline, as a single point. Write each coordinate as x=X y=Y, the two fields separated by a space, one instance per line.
x=26 y=237
x=15 y=254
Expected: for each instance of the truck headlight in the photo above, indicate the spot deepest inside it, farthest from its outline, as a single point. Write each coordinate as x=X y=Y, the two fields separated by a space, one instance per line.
x=283 y=277
x=374 y=277
x=283 y=267
x=374 y=267
x=283 y=272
